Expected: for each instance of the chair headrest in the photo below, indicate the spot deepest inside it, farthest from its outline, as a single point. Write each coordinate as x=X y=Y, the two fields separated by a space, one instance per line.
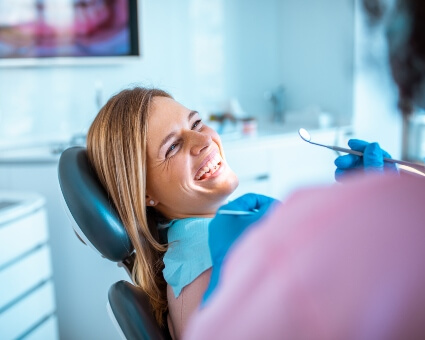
x=90 y=207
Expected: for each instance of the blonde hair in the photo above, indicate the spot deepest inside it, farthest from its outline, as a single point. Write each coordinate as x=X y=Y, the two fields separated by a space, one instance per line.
x=116 y=147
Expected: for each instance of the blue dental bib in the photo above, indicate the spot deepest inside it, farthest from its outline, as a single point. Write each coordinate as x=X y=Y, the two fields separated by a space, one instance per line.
x=188 y=254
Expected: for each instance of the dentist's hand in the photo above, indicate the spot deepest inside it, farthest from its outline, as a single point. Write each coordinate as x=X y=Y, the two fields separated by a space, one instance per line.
x=371 y=162
x=224 y=230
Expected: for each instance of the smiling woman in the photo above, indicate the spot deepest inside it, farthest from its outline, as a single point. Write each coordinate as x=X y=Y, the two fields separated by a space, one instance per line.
x=166 y=174
x=186 y=171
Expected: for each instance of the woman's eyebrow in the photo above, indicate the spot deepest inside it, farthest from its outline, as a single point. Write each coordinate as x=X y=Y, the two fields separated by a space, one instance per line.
x=191 y=114
x=172 y=134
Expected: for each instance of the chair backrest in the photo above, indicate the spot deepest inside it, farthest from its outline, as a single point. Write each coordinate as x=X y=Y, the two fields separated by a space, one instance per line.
x=97 y=223
x=95 y=219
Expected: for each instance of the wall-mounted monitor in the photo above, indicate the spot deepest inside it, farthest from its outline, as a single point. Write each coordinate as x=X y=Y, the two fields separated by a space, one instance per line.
x=52 y=32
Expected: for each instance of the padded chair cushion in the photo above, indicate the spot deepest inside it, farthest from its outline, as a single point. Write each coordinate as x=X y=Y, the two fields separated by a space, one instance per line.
x=90 y=207
x=133 y=313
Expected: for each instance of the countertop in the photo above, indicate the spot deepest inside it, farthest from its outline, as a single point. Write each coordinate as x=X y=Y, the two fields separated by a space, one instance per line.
x=15 y=204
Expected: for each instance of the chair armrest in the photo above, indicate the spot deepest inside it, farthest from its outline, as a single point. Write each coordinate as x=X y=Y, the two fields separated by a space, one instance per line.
x=133 y=313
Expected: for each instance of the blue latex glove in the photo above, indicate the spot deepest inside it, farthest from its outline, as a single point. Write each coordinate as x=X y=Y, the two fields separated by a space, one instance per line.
x=225 y=229
x=372 y=160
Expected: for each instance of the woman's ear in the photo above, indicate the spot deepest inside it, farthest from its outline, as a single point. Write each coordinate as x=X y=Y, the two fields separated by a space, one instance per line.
x=150 y=202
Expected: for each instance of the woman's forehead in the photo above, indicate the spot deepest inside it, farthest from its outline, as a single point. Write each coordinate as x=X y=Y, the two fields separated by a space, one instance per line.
x=164 y=107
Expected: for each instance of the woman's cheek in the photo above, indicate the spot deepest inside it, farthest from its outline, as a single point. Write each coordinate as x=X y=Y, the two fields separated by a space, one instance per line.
x=181 y=168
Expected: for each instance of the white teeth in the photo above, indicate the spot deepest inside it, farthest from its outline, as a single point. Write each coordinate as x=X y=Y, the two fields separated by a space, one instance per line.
x=209 y=168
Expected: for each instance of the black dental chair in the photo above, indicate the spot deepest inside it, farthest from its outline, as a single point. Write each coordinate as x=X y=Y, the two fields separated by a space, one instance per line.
x=98 y=225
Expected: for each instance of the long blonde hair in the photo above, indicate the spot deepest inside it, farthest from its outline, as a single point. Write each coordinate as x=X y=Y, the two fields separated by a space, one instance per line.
x=116 y=146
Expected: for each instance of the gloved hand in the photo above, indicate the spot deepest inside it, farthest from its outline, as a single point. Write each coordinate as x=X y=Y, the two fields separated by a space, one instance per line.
x=225 y=229
x=372 y=160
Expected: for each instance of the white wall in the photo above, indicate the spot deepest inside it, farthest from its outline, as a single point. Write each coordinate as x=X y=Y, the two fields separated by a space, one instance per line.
x=204 y=52
x=253 y=63
x=53 y=102
x=316 y=51
x=184 y=49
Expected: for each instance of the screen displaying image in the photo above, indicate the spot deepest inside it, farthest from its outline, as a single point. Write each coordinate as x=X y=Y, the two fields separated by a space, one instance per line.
x=67 y=28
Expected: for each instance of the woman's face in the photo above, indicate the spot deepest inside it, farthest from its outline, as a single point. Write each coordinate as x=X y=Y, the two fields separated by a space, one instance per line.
x=186 y=171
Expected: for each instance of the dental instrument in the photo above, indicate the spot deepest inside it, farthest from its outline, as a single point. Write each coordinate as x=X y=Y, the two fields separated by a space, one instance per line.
x=236 y=212
x=305 y=135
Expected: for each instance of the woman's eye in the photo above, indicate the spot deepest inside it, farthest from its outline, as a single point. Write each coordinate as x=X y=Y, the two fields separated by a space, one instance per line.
x=197 y=124
x=171 y=149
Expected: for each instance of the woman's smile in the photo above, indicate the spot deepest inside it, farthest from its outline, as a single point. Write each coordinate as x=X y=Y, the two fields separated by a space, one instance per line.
x=209 y=166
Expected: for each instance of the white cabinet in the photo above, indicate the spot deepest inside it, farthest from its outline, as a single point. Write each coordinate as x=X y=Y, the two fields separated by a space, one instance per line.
x=27 y=299
x=298 y=164
x=251 y=161
x=81 y=278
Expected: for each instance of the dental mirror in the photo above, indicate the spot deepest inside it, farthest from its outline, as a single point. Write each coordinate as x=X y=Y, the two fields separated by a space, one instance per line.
x=305 y=135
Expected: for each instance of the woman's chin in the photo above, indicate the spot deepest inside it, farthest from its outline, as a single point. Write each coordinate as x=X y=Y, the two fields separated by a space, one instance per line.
x=233 y=183
x=229 y=187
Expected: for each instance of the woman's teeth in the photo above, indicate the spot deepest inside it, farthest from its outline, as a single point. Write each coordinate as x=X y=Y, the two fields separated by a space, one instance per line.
x=211 y=167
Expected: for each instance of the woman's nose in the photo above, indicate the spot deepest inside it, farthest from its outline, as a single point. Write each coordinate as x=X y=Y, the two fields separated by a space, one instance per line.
x=199 y=142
